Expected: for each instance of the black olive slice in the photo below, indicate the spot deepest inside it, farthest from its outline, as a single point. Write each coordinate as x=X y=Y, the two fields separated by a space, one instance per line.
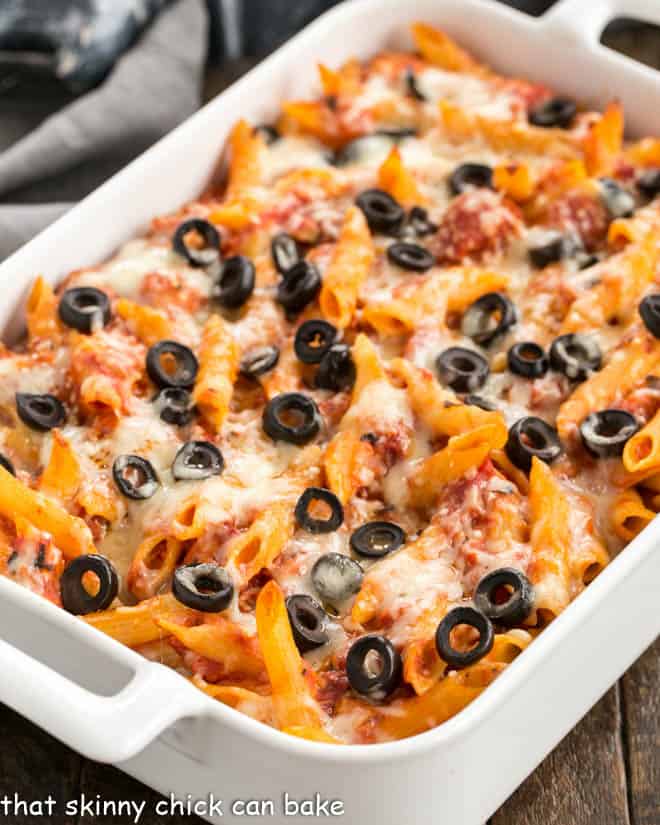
x=336 y=577
x=235 y=283
x=530 y=437
x=528 y=359
x=308 y=622
x=84 y=308
x=464 y=370
x=299 y=286
x=75 y=597
x=135 y=477
x=313 y=339
x=208 y=254
x=260 y=361
x=481 y=402
x=40 y=412
x=336 y=370
x=517 y=592
x=292 y=417
x=619 y=201
x=319 y=525
x=376 y=539
x=284 y=251
x=412 y=86
x=576 y=356
x=489 y=317
x=175 y=406
x=419 y=222
x=649 y=310
x=464 y=616
x=470 y=176
x=397 y=133
x=197 y=460
x=557 y=112
x=384 y=215
x=268 y=133
x=556 y=247
x=170 y=364
x=373 y=667
x=7 y=465
x=606 y=432
x=205 y=587
x=410 y=256
x=648 y=183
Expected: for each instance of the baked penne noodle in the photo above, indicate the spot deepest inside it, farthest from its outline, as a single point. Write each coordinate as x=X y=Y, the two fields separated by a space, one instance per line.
x=218 y=368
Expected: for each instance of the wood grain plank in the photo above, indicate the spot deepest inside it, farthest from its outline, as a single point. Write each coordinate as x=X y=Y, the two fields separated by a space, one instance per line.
x=34 y=765
x=582 y=782
x=640 y=691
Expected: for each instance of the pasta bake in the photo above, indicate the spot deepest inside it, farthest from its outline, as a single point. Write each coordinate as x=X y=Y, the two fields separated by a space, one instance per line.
x=338 y=439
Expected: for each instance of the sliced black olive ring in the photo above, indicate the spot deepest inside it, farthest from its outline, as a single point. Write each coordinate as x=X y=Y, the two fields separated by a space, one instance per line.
x=464 y=616
x=576 y=356
x=75 y=597
x=481 y=402
x=397 y=133
x=470 y=176
x=517 y=592
x=292 y=417
x=299 y=286
x=205 y=587
x=319 y=525
x=464 y=370
x=170 y=364
x=40 y=412
x=649 y=310
x=308 y=622
x=555 y=248
x=336 y=577
x=205 y=256
x=376 y=539
x=175 y=406
x=419 y=222
x=336 y=371
x=527 y=359
x=413 y=87
x=605 y=433
x=489 y=317
x=84 y=308
x=236 y=282
x=648 y=183
x=7 y=465
x=557 y=112
x=135 y=477
x=384 y=215
x=373 y=667
x=197 y=460
x=268 y=133
x=284 y=252
x=619 y=201
x=313 y=339
x=260 y=361
x=530 y=437
x=410 y=256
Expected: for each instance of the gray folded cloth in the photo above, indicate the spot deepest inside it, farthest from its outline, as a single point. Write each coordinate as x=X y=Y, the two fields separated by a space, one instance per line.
x=152 y=88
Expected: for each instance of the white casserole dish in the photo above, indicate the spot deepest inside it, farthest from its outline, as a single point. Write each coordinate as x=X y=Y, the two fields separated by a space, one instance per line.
x=158 y=727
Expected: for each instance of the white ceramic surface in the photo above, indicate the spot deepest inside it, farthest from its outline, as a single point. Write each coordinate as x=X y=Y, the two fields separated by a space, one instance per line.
x=111 y=705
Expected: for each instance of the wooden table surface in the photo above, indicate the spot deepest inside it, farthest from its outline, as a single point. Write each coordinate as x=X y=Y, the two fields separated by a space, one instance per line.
x=605 y=772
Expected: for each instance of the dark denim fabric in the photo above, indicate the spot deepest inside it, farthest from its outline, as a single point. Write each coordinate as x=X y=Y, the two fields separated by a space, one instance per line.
x=265 y=24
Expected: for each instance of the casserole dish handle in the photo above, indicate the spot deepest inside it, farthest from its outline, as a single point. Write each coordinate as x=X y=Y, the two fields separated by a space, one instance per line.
x=103 y=728
x=584 y=22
